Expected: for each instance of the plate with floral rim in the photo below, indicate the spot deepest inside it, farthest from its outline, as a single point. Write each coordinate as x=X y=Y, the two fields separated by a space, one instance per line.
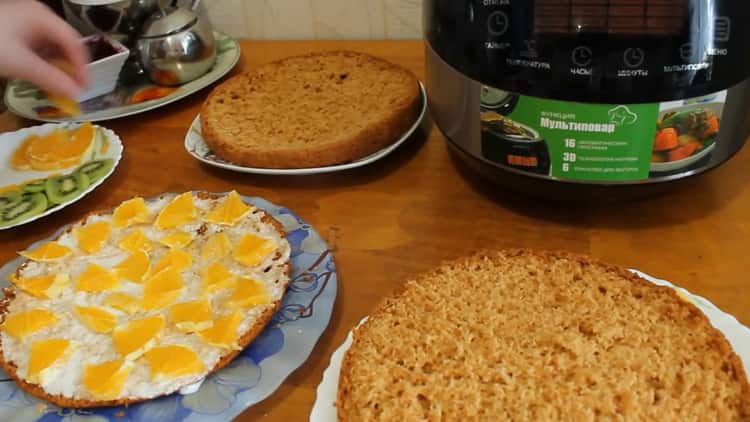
x=196 y=146
x=284 y=345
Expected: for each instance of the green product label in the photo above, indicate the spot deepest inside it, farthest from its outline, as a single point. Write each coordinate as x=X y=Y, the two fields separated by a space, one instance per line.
x=592 y=141
x=598 y=142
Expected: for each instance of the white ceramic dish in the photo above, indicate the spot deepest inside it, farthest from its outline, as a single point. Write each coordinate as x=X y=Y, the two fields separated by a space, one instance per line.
x=9 y=176
x=738 y=335
x=196 y=146
x=103 y=73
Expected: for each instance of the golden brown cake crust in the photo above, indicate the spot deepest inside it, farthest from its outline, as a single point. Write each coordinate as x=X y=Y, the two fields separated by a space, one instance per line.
x=357 y=400
x=313 y=110
x=62 y=401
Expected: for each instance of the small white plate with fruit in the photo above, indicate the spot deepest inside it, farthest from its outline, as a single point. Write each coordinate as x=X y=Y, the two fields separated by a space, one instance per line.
x=45 y=168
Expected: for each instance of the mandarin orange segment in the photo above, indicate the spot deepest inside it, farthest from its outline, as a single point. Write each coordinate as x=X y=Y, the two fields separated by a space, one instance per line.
x=252 y=250
x=178 y=211
x=223 y=333
x=96 y=278
x=136 y=241
x=136 y=337
x=130 y=212
x=46 y=252
x=172 y=361
x=96 y=319
x=229 y=211
x=178 y=239
x=134 y=267
x=215 y=277
x=22 y=324
x=44 y=287
x=191 y=316
x=92 y=237
x=216 y=247
x=106 y=380
x=43 y=354
x=123 y=302
x=248 y=292
x=174 y=258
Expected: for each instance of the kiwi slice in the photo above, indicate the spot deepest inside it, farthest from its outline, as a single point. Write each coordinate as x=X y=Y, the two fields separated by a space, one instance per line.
x=96 y=169
x=9 y=198
x=28 y=205
x=34 y=186
x=61 y=189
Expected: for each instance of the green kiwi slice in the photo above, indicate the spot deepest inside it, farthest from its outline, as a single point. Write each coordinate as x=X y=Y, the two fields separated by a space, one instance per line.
x=28 y=206
x=9 y=198
x=61 y=189
x=35 y=186
x=96 y=169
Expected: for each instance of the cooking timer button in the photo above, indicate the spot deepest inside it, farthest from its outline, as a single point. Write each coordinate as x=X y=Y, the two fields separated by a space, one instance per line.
x=582 y=56
x=498 y=23
x=634 y=57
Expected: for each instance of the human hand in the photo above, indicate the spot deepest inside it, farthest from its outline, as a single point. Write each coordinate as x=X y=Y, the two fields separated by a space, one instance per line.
x=32 y=38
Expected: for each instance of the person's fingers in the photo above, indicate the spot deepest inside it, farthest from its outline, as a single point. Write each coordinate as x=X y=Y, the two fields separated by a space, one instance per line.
x=30 y=67
x=48 y=28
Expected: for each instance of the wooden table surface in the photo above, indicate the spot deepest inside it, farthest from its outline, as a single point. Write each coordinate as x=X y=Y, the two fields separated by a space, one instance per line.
x=410 y=211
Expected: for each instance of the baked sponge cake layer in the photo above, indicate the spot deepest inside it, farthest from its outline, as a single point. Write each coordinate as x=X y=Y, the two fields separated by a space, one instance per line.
x=522 y=335
x=314 y=110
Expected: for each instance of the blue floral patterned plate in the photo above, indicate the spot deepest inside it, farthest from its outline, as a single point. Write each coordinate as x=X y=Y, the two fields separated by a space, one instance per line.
x=256 y=373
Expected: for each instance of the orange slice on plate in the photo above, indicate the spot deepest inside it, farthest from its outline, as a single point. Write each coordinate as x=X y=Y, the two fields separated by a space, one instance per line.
x=96 y=319
x=178 y=211
x=130 y=212
x=135 y=241
x=106 y=380
x=43 y=354
x=172 y=361
x=215 y=277
x=252 y=250
x=135 y=338
x=96 y=278
x=229 y=211
x=223 y=333
x=92 y=237
x=191 y=316
x=49 y=251
x=22 y=324
x=44 y=287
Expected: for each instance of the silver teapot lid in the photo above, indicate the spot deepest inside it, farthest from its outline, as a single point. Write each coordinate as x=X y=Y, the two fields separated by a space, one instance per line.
x=168 y=22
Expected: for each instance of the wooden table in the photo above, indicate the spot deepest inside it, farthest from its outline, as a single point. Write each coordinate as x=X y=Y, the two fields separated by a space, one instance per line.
x=405 y=214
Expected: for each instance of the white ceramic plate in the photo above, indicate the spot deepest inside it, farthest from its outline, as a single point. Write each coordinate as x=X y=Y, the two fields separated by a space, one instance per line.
x=196 y=146
x=25 y=100
x=9 y=176
x=738 y=335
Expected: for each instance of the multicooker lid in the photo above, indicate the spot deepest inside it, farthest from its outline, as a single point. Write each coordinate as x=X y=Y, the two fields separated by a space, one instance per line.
x=595 y=50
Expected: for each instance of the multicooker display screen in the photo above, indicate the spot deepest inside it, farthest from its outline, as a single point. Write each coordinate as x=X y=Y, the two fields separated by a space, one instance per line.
x=645 y=17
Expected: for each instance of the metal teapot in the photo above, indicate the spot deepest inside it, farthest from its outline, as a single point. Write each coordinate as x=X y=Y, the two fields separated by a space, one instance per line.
x=176 y=45
x=119 y=19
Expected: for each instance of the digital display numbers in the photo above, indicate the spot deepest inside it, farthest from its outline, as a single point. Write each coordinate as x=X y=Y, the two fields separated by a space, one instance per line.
x=639 y=17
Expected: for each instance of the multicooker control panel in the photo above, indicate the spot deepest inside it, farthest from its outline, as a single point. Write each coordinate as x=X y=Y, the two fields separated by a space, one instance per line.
x=595 y=50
